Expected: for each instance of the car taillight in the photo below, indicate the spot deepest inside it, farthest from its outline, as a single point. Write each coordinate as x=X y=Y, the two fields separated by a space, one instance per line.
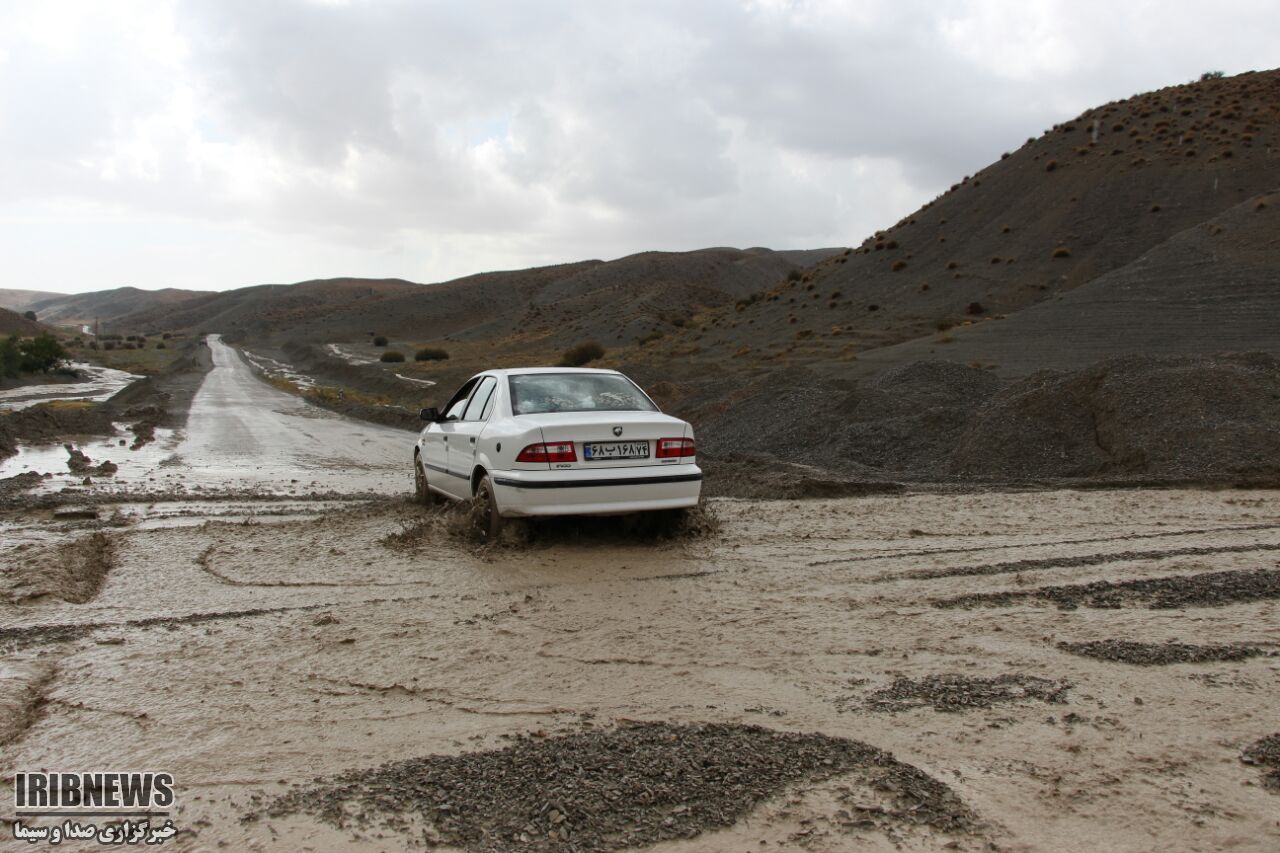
x=671 y=448
x=555 y=451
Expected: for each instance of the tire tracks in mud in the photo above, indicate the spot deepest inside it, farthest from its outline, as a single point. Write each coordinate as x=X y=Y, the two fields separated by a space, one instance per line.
x=1071 y=562
x=202 y=560
x=976 y=549
x=1207 y=589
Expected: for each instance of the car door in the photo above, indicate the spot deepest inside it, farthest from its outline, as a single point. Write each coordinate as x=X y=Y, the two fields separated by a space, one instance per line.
x=466 y=431
x=435 y=444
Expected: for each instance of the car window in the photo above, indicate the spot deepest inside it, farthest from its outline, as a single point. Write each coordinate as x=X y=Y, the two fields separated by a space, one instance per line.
x=535 y=393
x=480 y=399
x=453 y=411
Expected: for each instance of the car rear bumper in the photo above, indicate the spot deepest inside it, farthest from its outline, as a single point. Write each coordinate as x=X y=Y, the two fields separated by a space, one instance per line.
x=601 y=492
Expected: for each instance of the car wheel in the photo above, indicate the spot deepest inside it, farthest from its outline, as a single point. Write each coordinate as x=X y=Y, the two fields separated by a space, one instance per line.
x=421 y=493
x=485 y=517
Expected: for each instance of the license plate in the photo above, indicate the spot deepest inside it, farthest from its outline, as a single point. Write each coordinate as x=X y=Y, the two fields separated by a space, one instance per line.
x=597 y=450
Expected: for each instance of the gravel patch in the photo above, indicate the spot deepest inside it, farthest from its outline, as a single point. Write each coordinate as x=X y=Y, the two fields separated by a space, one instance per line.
x=609 y=789
x=1210 y=589
x=950 y=692
x=1266 y=753
x=1160 y=654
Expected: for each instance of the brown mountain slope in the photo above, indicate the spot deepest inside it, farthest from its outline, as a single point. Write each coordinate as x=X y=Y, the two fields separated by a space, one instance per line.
x=1087 y=197
x=18 y=300
x=614 y=302
x=13 y=323
x=266 y=308
x=1213 y=288
x=107 y=305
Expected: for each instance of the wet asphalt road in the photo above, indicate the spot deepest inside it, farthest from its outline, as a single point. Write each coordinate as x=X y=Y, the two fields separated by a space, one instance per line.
x=242 y=432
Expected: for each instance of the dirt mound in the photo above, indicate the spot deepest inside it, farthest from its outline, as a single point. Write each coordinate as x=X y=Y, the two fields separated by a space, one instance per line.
x=1210 y=589
x=952 y=692
x=47 y=423
x=73 y=572
x=1160 y=654
x=1266 y=753
x=612 y=789
x=1167 y=418
x=23 y=686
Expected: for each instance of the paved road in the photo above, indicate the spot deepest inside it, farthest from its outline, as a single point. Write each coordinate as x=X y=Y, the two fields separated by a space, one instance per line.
x=242 y=431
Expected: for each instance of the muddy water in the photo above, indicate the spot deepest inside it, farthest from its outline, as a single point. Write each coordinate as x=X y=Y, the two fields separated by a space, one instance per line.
x=313 y=646
x=96 y=384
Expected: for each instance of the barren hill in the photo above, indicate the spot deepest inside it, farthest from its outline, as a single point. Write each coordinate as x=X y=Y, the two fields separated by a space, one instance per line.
x=106 y=305
x=18 y=300
x=615 y=301
x=1088 y=197
x=1212 y=288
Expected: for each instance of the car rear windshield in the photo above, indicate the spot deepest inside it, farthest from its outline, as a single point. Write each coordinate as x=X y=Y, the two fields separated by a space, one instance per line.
x=536 y=393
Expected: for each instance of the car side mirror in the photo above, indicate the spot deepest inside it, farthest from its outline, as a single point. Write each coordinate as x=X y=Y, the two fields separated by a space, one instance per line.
x=430 y=414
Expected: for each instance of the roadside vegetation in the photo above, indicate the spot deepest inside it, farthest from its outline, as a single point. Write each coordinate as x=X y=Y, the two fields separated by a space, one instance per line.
x=30 y=355
x=580 y=354
x=431 y=354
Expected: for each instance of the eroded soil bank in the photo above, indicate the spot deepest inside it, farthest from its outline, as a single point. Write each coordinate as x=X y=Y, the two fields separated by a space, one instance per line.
x=368 y=665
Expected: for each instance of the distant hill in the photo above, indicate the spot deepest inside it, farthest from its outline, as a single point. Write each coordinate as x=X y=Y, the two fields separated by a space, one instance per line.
x=105 y=305
x=18 y=300
x=1089 y=197
x=615 y=301
x=266 y=308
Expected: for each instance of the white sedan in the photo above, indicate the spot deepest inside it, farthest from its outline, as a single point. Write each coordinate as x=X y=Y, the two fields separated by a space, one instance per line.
x=555 y=441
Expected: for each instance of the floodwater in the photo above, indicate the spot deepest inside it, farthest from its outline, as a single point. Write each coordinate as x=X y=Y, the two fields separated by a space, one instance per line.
x=97 y=384
x=243 y=657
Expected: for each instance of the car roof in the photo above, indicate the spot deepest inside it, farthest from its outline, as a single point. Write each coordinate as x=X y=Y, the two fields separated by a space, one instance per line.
x=510 y=371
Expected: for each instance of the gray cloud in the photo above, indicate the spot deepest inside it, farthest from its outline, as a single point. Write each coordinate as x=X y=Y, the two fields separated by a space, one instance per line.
x=284 y=140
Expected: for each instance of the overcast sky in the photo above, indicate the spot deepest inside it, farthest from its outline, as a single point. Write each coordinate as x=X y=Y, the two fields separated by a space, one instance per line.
x=225 y=143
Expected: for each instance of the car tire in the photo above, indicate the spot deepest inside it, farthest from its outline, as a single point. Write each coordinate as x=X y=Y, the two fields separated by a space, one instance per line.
x=421 y=493
x=485 y=517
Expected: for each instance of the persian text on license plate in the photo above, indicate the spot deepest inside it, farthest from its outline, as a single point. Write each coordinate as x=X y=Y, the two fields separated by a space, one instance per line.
x=615 y=450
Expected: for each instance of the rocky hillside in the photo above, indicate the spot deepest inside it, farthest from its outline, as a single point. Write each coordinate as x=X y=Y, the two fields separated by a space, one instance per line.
x=1087 y=198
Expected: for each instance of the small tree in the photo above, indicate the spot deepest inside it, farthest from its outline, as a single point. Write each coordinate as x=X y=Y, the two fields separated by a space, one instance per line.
x=1212 y=75
x=30 y=315
x=42 y=353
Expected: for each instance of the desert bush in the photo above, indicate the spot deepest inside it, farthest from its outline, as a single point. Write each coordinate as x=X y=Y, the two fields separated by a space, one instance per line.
x=580 y=354
x=160 y=345
x=649 y=337
x=793 y=275
x=898 y=265
x=1062 y=252
x=1051 y=165
x=380 y=341
x=430 y=354
x=391 y=356
x=30 y=315
x=1212 y=75
x=108 y=345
